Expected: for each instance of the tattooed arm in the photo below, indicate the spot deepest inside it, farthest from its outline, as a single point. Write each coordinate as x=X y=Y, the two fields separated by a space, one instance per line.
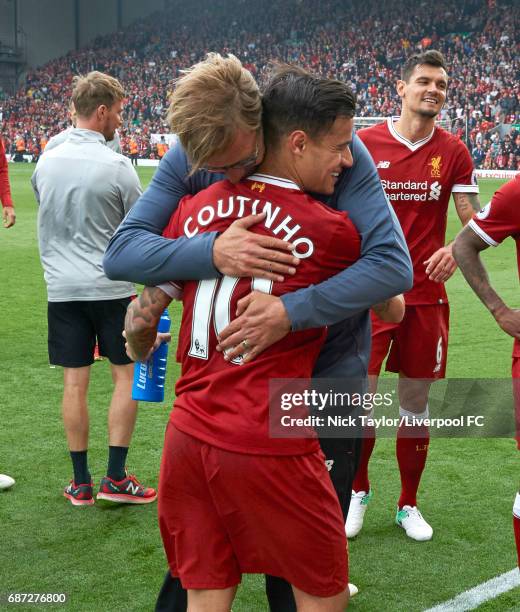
x=466 y=250
x=142 y=319
x=391 y=311
x=441 y=265
x=467 y=204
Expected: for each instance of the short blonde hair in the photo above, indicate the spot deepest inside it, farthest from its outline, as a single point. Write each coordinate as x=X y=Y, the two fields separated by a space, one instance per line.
x=93 y=90
x=210 y=101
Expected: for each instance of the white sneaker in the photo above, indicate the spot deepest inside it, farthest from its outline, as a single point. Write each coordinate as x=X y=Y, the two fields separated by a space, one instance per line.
x=6 y=481
x=356 y=512
x=411 y=520
x=352 y=589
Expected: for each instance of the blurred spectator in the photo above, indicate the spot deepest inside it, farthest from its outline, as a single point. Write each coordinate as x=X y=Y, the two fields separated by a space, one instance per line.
x=8 y=214
x=363 y=44
x=162 y=147
x=478 y=154
x=133 y=150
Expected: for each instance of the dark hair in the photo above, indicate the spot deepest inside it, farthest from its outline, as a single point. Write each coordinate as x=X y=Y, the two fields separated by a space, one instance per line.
x=294 y=99
x=432 y=58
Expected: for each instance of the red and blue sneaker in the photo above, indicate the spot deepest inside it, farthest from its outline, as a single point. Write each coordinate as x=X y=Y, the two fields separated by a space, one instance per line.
x=126 y=491
x=79 y=495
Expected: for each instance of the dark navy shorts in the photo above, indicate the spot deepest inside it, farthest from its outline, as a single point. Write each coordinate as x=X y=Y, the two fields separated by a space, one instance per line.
x=75 y=327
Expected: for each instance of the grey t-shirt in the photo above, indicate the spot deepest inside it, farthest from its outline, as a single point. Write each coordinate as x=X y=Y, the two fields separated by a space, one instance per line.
x=84 y=190
x=57 y=139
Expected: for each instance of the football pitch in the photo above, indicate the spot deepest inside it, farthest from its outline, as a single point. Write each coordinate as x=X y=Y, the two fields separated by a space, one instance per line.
x=110 y=558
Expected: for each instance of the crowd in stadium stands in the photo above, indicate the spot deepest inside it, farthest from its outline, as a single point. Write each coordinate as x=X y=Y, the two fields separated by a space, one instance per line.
x=362 y=42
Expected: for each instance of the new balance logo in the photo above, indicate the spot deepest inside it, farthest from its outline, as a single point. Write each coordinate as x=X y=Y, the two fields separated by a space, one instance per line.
x=133 y=488
x=383 y=164
x=435 y=191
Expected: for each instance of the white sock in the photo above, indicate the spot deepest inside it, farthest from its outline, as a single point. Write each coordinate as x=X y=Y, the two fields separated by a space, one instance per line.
x=412 y=416
x=516 y=506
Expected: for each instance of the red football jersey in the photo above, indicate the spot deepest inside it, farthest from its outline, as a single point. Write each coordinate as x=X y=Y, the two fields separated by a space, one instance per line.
x=5 y=190
x=500 y=219
x=224 y=403
x=418 y=179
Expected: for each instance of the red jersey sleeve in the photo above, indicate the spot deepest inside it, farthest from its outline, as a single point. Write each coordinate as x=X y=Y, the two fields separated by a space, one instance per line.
x=5 y=189
x=501 y=217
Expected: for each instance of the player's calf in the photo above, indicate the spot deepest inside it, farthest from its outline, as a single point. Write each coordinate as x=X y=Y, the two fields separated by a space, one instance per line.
x=310 y=603
x=211 y=600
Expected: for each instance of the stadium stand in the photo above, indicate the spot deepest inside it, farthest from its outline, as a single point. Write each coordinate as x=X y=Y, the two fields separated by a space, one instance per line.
x=361 y=42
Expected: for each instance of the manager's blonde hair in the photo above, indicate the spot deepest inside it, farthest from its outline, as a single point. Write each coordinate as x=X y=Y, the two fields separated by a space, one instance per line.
x=210 y=101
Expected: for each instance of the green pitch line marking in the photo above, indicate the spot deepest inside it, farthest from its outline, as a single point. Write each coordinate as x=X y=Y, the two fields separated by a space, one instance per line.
x=473 y=598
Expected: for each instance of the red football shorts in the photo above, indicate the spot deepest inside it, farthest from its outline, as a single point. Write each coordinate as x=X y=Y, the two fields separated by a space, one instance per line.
x=222 y=514
x=516 y=394
x=418 y=345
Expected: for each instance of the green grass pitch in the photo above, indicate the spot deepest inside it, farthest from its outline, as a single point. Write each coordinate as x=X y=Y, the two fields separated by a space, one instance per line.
x=111 y=558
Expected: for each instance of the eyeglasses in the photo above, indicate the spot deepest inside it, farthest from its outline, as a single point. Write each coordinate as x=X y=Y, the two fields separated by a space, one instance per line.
x=243 y=163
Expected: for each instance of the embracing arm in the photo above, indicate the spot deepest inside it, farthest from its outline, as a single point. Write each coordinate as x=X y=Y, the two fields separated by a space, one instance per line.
x=138 y=253
x=384 y=269
x=466 y=250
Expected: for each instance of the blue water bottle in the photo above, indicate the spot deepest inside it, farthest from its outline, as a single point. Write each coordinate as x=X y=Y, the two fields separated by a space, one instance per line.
x=150 y=376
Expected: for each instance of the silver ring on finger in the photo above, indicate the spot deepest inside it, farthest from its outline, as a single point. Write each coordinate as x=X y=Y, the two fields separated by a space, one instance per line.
x=245 y=344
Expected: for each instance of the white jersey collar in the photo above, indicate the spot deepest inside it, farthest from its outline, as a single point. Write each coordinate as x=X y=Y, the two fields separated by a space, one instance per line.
x=413 y=146
x=274 y=180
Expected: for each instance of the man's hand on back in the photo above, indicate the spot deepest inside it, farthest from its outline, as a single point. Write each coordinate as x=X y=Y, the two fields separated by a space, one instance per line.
x=261 y=321
x=239 y=252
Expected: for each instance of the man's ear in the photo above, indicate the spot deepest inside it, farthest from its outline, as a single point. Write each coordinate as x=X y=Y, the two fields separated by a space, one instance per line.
x=297 y=141
x=400 y=86
x=101 y=111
